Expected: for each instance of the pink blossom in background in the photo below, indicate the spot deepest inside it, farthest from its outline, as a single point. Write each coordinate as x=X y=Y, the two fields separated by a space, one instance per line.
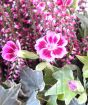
x=41 y=6
x=64 y=2
x=10 y=50
x=51 y=46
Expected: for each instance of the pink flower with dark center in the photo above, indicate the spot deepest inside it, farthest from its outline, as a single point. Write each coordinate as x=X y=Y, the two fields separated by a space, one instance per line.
x=11 y=50
x=72 y=85
x=65 y=2
x=51 y=46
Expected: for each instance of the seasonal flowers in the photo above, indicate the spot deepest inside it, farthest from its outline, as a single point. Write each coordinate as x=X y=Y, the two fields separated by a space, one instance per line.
x=10 y=50
x=52 y=28
x=51 y=46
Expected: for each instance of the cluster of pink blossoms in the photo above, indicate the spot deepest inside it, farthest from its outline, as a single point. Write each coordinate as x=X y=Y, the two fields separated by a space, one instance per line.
x=29 y=20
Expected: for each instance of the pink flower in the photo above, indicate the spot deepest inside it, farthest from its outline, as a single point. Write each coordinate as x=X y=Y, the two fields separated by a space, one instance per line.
x=72 y=85
x=41 y=6
x=65 y=2
x=51 y=46
x=10 y=50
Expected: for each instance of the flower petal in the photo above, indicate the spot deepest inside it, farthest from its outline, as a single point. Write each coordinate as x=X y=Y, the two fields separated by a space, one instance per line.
x=59 y=2
x=60 y=52
x=49 y=36
x=7 y=49
x=9 y=57
x=69 y=2
x=40 y=43
x=62 y=42
x=52 y=37
x=10 y=50
x=18 y=45
x=45 y=54
x=11 y=44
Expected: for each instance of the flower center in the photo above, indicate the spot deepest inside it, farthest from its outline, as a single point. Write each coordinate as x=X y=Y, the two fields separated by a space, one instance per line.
x=51 y=46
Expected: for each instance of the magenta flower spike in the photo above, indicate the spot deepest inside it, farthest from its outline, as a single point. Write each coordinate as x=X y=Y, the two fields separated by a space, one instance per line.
x=10 y=50
x=51 y=46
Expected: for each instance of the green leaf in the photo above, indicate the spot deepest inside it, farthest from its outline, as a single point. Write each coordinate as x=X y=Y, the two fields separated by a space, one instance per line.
x=48 y=78
x=80 y=87
x=64 y=73
x=84 y=23
x=85 y=67
x=8 y=9
x=68 y=67
x=75 y=4
x=74 y=102
x=31 y=80
x=52 y=100
x=49 y=66
x=83 y=59
x=55 y=89
x=9 y=96
x=87 y=53
x=85 y=73
x=41 y=66
x=32 y=100
x=61 y=97
x=82 y=98
x=26 y=54
x=83 y=18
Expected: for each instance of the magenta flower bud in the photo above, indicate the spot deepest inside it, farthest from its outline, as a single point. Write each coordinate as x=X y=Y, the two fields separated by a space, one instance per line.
x=72 y=85
x=10 y=50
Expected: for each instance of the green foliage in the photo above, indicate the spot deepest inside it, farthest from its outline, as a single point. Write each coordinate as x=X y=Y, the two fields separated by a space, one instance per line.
x=82 y=98
x=9 y=96
x=84 y=23
x=41 y=66
x=32 y=82
x=52 y=100
x=48 y=78
x=26 y=54
x=33 y=99
x=84 y=60
x=65 y=72
x=63 y=75
x=60 y=88
x=55 y=89
x=75 y=4
x=8 y=9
